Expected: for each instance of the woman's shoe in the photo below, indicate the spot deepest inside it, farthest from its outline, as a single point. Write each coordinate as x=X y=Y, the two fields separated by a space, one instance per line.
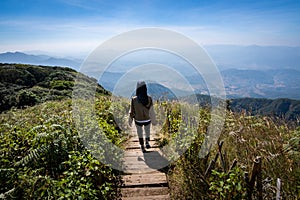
x=141 y=140
x=147 y=143
x=143 y=149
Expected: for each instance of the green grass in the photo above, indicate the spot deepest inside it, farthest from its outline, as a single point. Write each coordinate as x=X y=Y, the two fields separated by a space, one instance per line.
x=244 y=137
x=42 y=157
x=27 y=85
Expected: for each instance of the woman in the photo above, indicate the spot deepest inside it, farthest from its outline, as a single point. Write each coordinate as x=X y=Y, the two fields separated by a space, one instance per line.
x=141 y=110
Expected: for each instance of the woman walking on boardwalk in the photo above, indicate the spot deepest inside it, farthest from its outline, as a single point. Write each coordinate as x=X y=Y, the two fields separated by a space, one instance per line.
x=141 y=110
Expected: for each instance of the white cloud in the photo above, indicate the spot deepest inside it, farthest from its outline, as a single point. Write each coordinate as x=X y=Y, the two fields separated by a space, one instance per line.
x=81 y=36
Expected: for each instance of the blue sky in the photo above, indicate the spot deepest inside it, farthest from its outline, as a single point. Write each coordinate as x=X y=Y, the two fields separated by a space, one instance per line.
x=76 y=27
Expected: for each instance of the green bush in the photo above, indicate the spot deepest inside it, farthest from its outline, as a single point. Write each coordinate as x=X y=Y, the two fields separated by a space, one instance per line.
x=61 y=85
x=42 y=156
x=228 y=185
x=29 y=84
x=26 y=98
x=245 y=138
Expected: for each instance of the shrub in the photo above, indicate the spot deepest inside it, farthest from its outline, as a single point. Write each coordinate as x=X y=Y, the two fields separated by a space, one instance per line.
x=42 y=156
x=244 y=138
x=26 y=98
x=61 y=85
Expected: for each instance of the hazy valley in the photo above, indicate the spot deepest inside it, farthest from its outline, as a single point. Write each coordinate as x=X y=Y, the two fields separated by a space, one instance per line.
x=247 y=71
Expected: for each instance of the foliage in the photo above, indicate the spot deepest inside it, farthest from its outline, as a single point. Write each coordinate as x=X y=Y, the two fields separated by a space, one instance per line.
x=227 y=185
x=27 y=85
x=282 y=108
x=287 y=109
x=42 y=156
x=61 y=84
x=245 y=137
x=26 y=98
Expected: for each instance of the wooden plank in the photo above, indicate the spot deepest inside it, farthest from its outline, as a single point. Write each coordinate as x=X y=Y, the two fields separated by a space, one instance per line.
x=136 y=139
x=134 y=152
x=142 y=159
x=144 y=166
x=144 y=179
x=140 y=167
x=138 y=170
x=139 y=147
x=152 y=165
x=155 y=197
x=144 y=191
x=278 y=186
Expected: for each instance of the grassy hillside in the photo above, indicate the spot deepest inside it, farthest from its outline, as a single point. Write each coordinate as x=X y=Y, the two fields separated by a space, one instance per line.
x=222 y=174
x=286 y=109
x=41 y=152
x=27 y=85
x=42 y=156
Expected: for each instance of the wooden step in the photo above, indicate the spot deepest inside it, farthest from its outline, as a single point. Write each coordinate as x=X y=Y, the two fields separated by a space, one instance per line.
x=155 y=197
x=136 y=139
x=136 y=152
x=138 y=162
x=157 y=178
x=131 y=144
x=144 y=191
x=142 y=176
x=137 y=145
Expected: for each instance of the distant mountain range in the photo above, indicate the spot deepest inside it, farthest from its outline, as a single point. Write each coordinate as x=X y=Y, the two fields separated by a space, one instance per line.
x=254 y=57
x=282 y=108
x=159 y=92
x=19 y=57
x=247 y=71
x=225 y=56
x=238 y=83
x=278 y=83
x=27 y=85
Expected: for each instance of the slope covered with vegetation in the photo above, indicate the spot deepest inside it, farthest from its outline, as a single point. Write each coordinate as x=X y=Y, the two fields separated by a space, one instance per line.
x=27 y=85
x=283 y=108
x=287 y=109
x=42 y=155
x=41 y=152
x=228 y=171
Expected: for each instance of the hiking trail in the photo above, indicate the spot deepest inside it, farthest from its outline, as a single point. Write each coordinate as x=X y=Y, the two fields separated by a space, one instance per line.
x=143 y=176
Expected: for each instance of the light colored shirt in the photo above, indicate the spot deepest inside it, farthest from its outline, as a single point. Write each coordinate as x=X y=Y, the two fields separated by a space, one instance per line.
x=142 y=113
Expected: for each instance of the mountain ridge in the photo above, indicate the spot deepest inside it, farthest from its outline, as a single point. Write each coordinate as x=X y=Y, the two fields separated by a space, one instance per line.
x=27 y=85
x=24 y=58
x=283 y=108
x=257 y=82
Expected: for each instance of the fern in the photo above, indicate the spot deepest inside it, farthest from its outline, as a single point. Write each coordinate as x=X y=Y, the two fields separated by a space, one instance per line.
x=53 y=142
x=8 y=194
x=293 y=145
x=33 y=156
x=36 y=128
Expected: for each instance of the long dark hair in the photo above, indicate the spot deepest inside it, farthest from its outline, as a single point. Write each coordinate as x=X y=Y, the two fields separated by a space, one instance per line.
x=141 y=93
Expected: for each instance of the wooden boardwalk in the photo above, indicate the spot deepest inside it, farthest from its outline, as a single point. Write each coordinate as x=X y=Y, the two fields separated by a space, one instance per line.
x=144 y=177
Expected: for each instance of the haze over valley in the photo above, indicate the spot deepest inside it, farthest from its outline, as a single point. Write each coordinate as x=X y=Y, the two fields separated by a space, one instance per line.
x=247 y=71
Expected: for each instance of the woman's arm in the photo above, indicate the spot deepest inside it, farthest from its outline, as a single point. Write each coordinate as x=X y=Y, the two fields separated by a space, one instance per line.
x=131 y=113
x=152 y=115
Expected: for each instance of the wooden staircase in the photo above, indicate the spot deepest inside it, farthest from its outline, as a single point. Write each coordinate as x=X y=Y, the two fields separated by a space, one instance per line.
x=144 y=176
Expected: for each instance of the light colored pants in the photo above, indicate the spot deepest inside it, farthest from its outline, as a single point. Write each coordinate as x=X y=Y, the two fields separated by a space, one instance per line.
x=139 y=130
